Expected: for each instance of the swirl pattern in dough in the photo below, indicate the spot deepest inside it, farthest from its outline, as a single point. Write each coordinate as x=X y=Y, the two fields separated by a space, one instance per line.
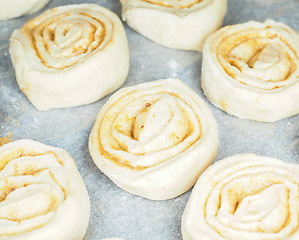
x=16 y=8
x=70 y=55
x=251 y=70
x=180 y=24
x=244 y=197
x=154 y=139
x=42 y=195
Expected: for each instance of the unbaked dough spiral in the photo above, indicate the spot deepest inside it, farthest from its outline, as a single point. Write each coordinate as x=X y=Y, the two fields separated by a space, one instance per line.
x=16 y=8
x=70 y=55
x=154 y=139
x=42 y=195
x=180 y=24
x=251 y=70
x=179 y=4
x=244 y=197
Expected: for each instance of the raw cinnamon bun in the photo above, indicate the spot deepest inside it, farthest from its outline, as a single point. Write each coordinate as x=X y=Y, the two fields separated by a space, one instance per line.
x=42 y=195
x=180 y=24
x=154 y=139
x=16 y=8
x=70 y=55
x=251 y=70
x=244 y=197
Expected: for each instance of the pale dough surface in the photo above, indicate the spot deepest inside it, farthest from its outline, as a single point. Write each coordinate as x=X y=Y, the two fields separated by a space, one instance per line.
x=174 y=23
x=251 y=70
x=244 y=197
x=42 y=193
x=16 y=8
x=154 y=139
x=70 y=55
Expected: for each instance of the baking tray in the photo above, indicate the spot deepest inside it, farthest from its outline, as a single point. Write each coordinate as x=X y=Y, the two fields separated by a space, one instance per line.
x=114 y=212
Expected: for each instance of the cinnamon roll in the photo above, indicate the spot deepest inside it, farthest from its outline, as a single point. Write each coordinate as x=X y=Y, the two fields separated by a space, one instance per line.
x=180 y=24
x=70 y=55
x=16 y=8
x=251 y=70
x=244 y=197
x=42 y=195
x=154 y=139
